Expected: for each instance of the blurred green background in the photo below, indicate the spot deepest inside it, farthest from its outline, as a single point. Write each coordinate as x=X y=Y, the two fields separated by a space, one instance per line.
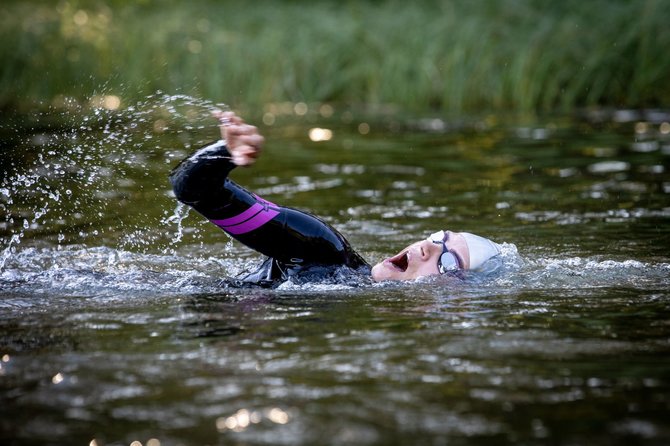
x=458 y=56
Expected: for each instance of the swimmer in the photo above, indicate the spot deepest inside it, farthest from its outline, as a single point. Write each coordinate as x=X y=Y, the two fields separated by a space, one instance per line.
x=298 y=244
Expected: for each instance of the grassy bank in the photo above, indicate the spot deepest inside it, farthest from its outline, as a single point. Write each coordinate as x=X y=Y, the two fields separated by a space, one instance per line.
x=460 y=56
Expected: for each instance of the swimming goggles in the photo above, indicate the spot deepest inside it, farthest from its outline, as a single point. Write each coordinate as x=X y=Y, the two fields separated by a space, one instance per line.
x=448 y=260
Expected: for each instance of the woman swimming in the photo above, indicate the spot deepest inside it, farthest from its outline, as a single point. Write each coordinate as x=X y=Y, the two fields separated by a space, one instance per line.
x=298 y=244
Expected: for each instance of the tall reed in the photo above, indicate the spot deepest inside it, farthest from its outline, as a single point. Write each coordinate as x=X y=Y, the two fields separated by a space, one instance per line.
x=523 y=55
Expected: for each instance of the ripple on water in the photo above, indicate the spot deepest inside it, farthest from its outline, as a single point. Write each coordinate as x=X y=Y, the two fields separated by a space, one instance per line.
x=113 y=316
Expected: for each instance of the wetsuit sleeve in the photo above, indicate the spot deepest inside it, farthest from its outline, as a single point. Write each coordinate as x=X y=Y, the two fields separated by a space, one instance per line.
x=291 y=237
x=199 y=180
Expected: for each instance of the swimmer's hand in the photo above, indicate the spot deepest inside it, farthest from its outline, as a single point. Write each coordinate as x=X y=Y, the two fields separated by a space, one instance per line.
x=242 y=140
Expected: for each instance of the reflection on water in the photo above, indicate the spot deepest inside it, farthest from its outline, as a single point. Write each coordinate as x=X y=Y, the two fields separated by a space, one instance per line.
x=114 y=328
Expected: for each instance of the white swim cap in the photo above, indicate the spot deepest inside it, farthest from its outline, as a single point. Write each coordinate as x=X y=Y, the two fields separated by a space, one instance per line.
x=481 y=249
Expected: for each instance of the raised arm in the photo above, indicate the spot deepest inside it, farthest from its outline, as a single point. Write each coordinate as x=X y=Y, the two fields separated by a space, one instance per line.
x=293 y=238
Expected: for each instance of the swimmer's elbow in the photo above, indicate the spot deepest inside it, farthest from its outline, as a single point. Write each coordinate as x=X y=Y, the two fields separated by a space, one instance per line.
x=192 y=180
x=201 y=175
x=196 y=184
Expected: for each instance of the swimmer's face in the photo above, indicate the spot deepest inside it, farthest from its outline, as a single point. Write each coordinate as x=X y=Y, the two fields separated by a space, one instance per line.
x=420 y=259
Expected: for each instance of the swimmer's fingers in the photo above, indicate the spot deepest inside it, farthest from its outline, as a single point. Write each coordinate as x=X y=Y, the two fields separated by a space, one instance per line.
x=235 y=129
x=244 y=143
x=253 y=139
x=243 y=134
x=243 y=140
x=226 y=119
x=245 y=155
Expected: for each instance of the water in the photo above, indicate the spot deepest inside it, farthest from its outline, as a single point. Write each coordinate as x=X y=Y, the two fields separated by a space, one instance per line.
x=114 y=330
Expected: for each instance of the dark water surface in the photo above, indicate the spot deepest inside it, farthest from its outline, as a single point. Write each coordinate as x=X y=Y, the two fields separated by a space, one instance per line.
x=113 y=328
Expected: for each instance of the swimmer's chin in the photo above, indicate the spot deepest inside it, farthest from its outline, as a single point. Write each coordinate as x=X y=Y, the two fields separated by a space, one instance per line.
x=376 y=277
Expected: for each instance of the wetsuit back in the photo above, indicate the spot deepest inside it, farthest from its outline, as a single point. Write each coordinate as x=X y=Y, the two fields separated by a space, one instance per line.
x=295 y=241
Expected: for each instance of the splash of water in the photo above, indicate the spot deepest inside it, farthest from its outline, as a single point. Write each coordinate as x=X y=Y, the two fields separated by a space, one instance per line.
x=180 y=213
x=70 y=174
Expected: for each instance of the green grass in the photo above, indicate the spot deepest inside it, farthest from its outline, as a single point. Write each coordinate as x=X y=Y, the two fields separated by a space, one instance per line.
x=459 y=56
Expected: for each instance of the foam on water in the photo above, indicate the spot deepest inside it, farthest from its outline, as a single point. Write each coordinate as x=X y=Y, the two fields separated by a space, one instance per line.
x=31 y=275
x=104 y=273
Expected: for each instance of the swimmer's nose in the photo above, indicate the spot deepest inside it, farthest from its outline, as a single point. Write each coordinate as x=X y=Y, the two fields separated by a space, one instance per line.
x=424 y=249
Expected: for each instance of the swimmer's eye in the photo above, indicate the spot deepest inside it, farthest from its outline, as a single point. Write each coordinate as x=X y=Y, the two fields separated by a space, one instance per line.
x=448 y=260
x=448 y=263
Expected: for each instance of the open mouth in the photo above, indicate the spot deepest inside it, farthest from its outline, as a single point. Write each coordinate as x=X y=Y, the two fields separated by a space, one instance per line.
x=400 y=262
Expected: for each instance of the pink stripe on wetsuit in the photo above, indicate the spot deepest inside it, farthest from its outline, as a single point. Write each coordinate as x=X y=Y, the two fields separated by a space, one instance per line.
x=251 y=219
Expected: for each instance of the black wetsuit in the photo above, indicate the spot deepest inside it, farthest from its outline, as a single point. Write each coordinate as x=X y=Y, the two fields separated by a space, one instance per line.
x=298 y=244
